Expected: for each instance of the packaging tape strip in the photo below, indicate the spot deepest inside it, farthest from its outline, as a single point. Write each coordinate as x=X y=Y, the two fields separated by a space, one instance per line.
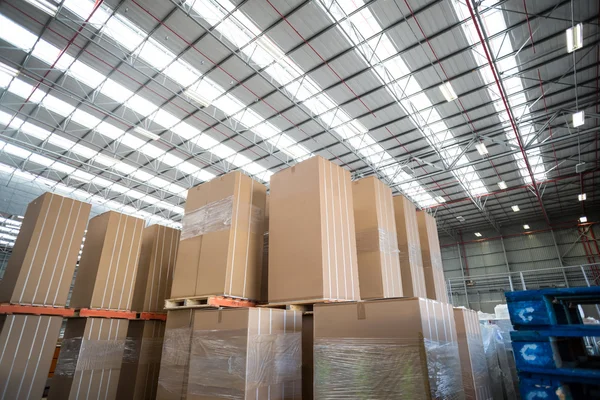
x=376 y=239
x=217 y=216
x=372 y=368
x=79 y=354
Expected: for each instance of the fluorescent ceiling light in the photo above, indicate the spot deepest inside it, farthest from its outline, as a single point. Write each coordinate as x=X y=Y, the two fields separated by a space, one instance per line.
x=440 y=199
x=461 y=218
x=481 y=148
x=582 y=197
x=448 y=91
x=583 y=219
x=502 y=185
x=147 y=133
x=578 y=118
x=477 y=234
x=575 y=38
x=197 y=97
x=46 y=6
x=525 y=226
x=515 y=208
x=8 y=70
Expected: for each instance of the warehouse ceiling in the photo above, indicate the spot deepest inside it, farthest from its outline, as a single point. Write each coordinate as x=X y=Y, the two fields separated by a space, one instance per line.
x=467 y=108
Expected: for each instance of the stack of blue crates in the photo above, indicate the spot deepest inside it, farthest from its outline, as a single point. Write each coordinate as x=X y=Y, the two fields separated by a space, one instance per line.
x=551 y=355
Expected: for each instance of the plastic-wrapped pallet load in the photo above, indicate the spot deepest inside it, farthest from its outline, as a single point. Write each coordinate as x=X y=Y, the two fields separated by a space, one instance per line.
x=89 y=363
x=28 y=343
x=473 y=363
x=141 y=360
x=221 y=247
x=386 y=349
x=431 y=254
x=503 y=385
x=376 y=242
x=312 y=243
x=411 y=263
x=41 y=267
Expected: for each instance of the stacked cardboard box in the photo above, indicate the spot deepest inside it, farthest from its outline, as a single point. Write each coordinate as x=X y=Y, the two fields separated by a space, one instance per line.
x=138 y=379
x=413 y=280
x=376 y=241
x=431 y=255
x=106 y=275
x=155 y=268
x=221 y=246
x=90 y=359
x=473 y=362
x=28 y=342
x=312 y=244
x=386 y=349
x=41 y=267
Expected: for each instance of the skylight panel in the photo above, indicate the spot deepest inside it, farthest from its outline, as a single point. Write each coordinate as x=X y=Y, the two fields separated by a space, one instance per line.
x=164 y=118
x=109 y=130
x=84 y=9
x=223 y=151
x=35 y=131
x=131 y=141
x=58 y=106
x=115 y=91
x=36 y=158
x=228 y=104
x=188 y=167
x=151 y=150
x=171 y=160
x=105 y=160
x=182 y=73
x=254 y=168
x=265 y=130
x=156 y=55
x=140 y=105
x=142 y=176
x=124 y=168
x=205 y=141
x=159 y=182
x=204 y=175
x=128 y=36
x=85 y=74
x=82 y=175
x=60 y=141
x=23 y=90
x=249 y=118
x=85 y=119
x=185 y=130
x=16 y=34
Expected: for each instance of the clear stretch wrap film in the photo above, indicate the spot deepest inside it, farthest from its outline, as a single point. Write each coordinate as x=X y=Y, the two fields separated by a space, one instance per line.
x=409 y=253
x=217 y=216
x=378 y=369
x=501 y=378
x=228 y=363
x=142 y=350
x=479 y=370
x=175 y=359
x=376 y=239
x=79 y=354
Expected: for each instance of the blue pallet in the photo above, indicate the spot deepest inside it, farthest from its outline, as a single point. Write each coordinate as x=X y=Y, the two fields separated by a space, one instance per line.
x=549 y=307
x=542 y=387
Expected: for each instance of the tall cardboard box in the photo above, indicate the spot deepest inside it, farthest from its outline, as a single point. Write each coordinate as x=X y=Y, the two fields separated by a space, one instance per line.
x=264 y=280
x=473 y=362
x=108 y=266
x=411 y=263
x=175 y=357
x=386 y=349
x=376 y=241
x=155 y=268
x=312 y=242
x=221 y=246
x=28 y=343
x=246 y=353
x=90 y=359
x=431 y=254
x=40 y=269
x=141 y=361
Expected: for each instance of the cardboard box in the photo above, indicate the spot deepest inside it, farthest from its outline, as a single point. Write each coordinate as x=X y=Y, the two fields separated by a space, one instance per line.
x=312 y=243
x=90 y=359
x=141 y=361
x=264 y=279
x=431 y=254
x=376 y=242
x=246 y=353
x=108 y=266
x=40 y=269
x=307 y=356
x=411 y=264
x=473 y=363
x=393 y=349
x=155 y=268
x=221 y=246
x=28 y=343
x=175 y=357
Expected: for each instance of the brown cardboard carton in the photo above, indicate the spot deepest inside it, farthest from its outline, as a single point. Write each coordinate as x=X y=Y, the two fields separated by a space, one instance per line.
x=307 y=356
x=28 y=343
x=141 y=361
x=376 y=242
x=90 y=359
x=411 y=264
x=473 y=363
x=312 y=243
x=175 y=358
x=155 y=268
x=108 y=267
x=431 y=255
x=264 y=280
x=40 y=269
x=246 y=353
x=221 y=246
x=393 y=349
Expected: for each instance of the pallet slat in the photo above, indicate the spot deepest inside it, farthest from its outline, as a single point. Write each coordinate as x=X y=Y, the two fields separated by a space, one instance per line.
x=207 y=302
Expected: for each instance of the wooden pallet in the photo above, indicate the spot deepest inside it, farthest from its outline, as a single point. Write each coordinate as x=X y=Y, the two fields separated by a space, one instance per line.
x=305 y=306
x=207 y=302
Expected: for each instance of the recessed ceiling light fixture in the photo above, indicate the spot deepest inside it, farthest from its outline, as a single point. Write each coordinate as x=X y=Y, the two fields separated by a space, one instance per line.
x=581 y=197
x=481 y=148
x=525 y=226
x=440 y=199
x=448 y=91
x=477 y=234
x=578 y=118
x=575 y=38
x=502 y=185
x=460 y=218
x=515 y=208
x=147 y=133
x=583 y=219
